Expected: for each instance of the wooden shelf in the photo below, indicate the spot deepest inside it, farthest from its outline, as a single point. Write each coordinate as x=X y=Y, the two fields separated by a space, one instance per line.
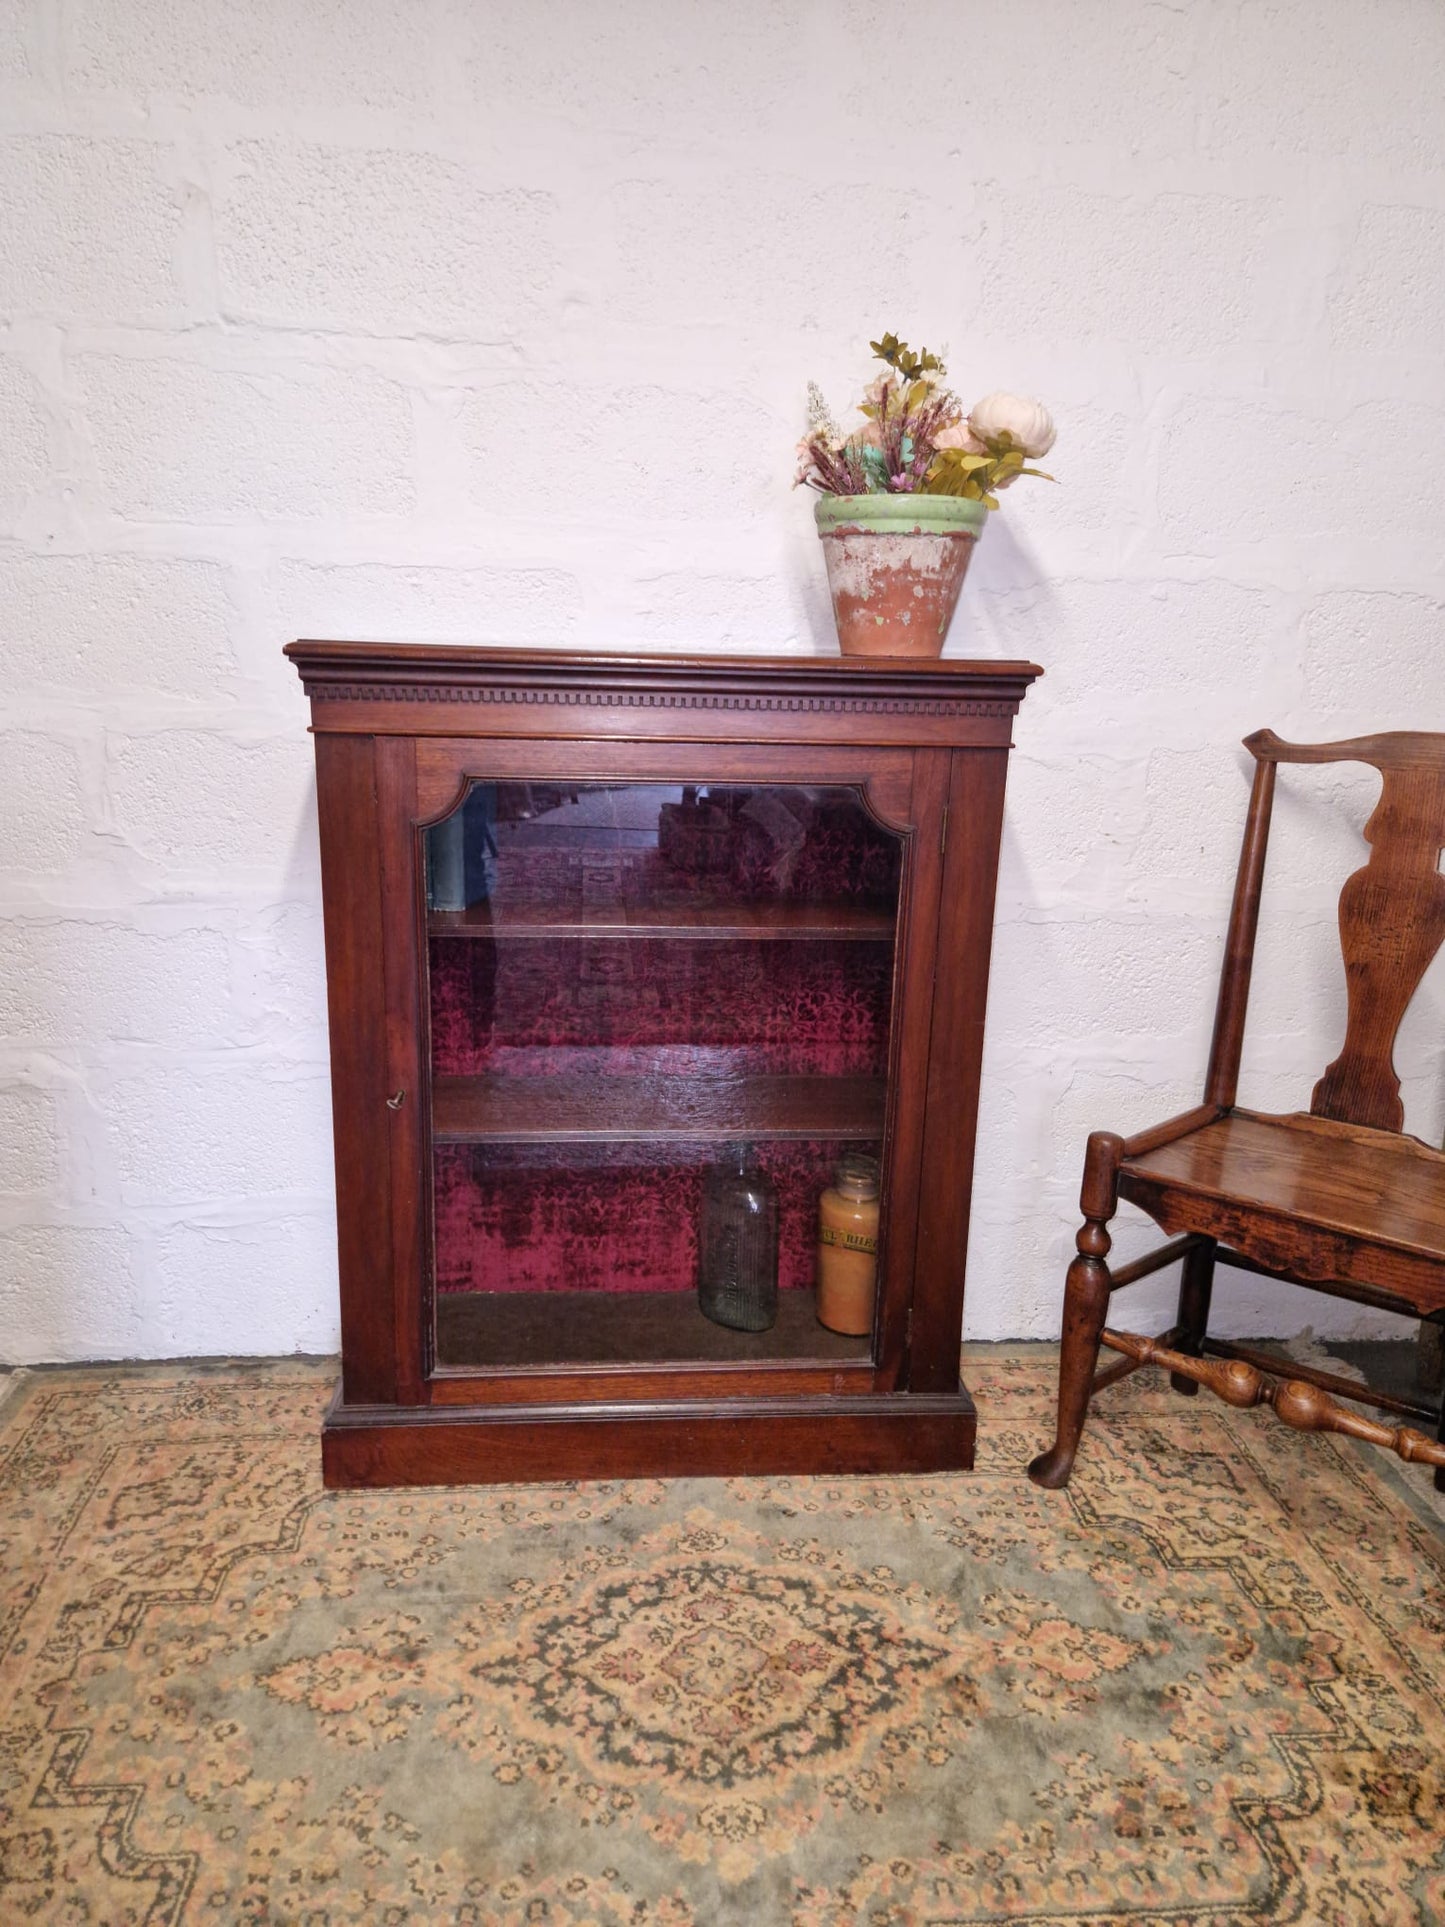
x=513 y=1110
x=485 y=1328
x=698 y=919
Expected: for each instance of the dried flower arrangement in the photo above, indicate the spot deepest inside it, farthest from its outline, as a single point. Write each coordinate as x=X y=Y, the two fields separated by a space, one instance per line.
x=917 y=439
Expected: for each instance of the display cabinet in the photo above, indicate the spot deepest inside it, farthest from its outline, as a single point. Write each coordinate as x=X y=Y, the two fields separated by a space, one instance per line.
x=602 y=934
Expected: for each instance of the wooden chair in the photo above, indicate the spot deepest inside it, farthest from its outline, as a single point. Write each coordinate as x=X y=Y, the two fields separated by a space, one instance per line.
x=1337 y=1199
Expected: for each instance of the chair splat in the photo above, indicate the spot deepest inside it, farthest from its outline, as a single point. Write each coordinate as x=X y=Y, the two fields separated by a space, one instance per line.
x=1392 y=915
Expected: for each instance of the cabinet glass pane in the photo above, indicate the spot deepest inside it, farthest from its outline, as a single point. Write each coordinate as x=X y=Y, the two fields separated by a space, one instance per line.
x=624 y=982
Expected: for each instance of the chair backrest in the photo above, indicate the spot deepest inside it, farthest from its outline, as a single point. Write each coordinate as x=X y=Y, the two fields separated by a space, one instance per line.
x=1392 y=919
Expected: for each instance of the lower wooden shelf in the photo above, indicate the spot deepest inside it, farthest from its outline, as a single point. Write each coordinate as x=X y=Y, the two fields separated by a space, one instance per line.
x=517 y=1110
x=877 y=1432
x=501 y=1328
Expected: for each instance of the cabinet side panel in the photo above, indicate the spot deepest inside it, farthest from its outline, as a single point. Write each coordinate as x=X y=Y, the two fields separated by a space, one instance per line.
x=356 y=997
x=908 y=1070
x=965 y=939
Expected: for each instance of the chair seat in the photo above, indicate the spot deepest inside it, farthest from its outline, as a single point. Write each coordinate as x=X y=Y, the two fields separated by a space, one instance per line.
x=1375 y=1200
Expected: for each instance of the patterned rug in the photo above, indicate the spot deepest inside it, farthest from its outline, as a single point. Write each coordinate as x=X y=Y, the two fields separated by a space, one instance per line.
x=1203 y=1685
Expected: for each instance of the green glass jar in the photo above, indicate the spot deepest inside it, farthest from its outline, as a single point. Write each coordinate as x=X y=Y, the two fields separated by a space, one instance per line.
x=738 y=1243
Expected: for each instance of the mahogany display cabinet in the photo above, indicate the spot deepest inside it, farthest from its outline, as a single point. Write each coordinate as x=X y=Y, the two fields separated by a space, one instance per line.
x=591 y=920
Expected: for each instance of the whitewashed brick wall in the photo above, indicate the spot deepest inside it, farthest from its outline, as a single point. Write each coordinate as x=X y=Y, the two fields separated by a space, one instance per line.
x=484 y=320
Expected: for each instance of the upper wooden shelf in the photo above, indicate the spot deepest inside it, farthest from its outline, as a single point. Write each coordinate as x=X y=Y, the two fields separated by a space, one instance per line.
x=760 y=922
x=515 y=1110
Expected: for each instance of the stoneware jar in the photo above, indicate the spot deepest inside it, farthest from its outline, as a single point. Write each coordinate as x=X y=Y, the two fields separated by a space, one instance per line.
x=848 y=1214
x=895 y=566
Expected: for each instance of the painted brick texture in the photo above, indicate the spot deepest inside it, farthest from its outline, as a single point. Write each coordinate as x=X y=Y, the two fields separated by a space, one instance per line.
x=416 y=318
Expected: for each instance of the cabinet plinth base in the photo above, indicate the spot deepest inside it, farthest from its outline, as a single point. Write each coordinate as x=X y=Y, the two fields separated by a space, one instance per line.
x=390 y=1445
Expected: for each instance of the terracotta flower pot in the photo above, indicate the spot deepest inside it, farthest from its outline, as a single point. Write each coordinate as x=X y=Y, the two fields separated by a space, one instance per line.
x=895 y=566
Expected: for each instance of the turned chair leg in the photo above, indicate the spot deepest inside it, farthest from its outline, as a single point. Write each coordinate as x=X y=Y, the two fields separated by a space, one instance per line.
x=1086 y=1301
x=1196 y=1282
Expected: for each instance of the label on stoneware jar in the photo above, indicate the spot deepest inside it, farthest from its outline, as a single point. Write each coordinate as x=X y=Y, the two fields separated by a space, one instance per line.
x=849 y=1240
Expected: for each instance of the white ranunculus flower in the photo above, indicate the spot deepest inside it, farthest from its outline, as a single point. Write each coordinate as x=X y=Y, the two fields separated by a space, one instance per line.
x=1029 y=423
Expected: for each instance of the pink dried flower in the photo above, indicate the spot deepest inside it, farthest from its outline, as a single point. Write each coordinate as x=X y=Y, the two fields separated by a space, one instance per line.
x=958 y=435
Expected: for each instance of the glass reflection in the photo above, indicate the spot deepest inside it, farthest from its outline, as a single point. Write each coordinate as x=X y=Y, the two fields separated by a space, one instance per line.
x=623 y=980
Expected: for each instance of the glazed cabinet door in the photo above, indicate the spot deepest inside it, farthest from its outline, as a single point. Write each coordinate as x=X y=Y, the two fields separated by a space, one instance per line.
x=623 y=992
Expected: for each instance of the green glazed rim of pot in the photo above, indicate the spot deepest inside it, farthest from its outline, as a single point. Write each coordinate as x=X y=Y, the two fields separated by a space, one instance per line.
x=900 y=514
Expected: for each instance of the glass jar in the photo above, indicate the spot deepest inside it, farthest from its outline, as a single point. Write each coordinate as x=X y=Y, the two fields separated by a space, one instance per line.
x=848 y=1247
x=738 y=1244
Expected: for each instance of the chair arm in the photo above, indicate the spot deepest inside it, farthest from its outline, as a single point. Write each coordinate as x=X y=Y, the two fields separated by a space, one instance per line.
x=1174 y=1127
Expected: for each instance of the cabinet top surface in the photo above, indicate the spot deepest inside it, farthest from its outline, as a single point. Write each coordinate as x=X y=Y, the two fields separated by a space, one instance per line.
x=394 y=688
x=345 y=675
x=465 y=660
